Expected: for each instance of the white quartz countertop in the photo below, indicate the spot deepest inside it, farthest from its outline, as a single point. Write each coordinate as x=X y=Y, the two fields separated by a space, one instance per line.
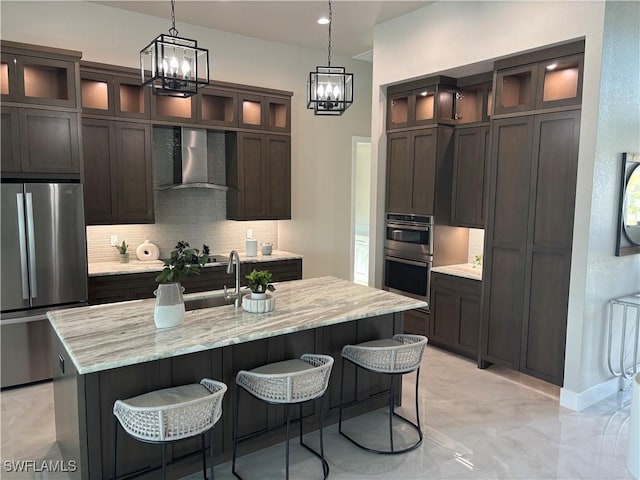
x=465 y=270
x=113 y=335
x=137 y=266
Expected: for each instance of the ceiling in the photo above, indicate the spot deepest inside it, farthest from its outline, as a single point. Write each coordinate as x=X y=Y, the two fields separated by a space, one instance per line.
x=289 y=22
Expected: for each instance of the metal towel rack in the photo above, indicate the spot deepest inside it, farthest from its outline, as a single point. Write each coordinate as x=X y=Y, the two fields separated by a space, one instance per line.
x=627 y=303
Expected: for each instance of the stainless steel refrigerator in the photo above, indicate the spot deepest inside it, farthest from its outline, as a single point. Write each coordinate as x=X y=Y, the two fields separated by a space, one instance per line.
x=44 y=266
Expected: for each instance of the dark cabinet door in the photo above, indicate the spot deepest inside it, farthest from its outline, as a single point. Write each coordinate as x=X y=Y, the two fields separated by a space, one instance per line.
x=470 y=147
x=49 y=141
x=444 y=310
x=423 y=177
x=99 y=148
x=548 y=252
x=10 y=142
x=416 y=322
x=455 y=314
x=134 y=173
x=506 y=232
x=277 y=175
x=411 y=171
x=259 y=177
x=399 y=172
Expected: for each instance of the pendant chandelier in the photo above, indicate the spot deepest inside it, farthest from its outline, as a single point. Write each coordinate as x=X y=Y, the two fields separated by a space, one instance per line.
x=174 y=66
x=329 y=89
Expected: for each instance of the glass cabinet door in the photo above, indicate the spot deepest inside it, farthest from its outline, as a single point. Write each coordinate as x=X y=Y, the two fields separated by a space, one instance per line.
x=560 y=82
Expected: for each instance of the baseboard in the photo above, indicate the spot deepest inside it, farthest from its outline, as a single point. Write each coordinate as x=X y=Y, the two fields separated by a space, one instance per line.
x=579 y=401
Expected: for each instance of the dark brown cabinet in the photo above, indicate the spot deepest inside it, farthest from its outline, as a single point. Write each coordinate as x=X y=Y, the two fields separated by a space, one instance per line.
x=118 y=172
x=37 y=77
x=541 y=80
x=419 y=165
x=217 y=107
x=471 y=149
x=264 y=112
x=423 y=102
x=134 y=286
x=113 y=91
x=416 y=322
x=258 y=176
x=528 y=245
x=39 y=142
x=455 y=314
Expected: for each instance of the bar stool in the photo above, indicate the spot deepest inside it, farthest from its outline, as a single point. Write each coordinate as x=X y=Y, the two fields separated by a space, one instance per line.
x=288 y=383
x=393 y=356
x=170 y=414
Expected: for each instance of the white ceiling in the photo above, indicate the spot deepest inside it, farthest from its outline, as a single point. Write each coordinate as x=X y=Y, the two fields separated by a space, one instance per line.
x=289 y=22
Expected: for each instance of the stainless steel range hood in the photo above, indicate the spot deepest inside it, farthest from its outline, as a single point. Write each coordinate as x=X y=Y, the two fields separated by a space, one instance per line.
x=193 y=166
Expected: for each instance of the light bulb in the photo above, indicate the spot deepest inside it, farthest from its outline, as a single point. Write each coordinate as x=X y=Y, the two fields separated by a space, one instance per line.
x=336 y=92
x=328 y=91
x=165 y=66
x=173 y=63
x=186 y=68
x=320 y=91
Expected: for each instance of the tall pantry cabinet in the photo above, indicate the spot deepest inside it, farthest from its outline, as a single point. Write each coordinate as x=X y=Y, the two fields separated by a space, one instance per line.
x=532 y=183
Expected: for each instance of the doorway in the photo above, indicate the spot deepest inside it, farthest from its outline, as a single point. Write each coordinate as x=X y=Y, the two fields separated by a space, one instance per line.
x=360 y=209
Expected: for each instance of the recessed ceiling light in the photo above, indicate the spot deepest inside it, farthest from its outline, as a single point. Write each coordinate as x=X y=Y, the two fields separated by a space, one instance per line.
x=323 y=21
x=552 y=66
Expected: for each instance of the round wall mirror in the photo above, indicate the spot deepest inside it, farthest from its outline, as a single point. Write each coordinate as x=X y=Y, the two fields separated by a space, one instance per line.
x=631 y=207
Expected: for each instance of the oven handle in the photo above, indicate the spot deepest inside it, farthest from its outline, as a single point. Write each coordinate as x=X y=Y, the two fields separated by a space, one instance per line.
x=404 y=226
x=407 y=262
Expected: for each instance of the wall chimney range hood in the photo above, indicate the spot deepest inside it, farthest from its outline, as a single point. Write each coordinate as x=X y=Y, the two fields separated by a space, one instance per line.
x=192 y=165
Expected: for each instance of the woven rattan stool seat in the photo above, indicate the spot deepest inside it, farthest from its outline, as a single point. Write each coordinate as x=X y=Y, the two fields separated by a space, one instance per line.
x=400 y=354
x=171 y=414
x=394 y=356
x=288 y=382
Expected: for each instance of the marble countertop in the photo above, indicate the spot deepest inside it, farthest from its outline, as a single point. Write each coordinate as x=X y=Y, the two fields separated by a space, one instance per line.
x=113 y=335
x=137 y=266
x=465 y=270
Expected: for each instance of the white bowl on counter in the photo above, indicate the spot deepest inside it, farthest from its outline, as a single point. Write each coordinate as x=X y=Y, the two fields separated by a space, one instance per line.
x=258 y=306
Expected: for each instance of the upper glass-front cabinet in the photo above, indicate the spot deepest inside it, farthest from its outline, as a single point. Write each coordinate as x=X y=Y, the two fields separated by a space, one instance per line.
x=114 y=95
x=432 y=103
x=541 y=85
x=264 y=113
x=36 y=80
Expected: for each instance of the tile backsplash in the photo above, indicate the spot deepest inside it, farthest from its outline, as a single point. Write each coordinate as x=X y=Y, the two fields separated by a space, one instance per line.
x=194 y=215
x=476 y=244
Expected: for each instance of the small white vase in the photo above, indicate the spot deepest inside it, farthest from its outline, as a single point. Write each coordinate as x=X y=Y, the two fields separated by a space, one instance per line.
x=258 y=295
x=169 y=310
x=253 y=305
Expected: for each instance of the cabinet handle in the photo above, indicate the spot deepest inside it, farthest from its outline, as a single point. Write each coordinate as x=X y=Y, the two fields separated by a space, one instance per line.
x=61 y=360
x=22 y=236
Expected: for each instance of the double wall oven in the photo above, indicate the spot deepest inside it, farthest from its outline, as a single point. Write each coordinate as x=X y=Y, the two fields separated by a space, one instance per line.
x=408 y=254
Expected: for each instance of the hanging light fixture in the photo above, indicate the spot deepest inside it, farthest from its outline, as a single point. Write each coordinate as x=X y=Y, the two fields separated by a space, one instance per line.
x=329 y=89
x=174 y=66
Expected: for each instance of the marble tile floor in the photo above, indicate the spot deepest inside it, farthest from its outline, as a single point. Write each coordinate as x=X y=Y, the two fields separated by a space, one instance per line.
x=478 y=424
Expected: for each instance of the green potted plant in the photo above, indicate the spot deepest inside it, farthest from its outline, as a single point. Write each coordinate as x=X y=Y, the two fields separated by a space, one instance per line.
x=183 y=261
x=124 y=255
x=259 y=283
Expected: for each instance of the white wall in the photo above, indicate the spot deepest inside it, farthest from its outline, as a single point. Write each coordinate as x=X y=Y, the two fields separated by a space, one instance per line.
x=320 y=147
x=447 y=35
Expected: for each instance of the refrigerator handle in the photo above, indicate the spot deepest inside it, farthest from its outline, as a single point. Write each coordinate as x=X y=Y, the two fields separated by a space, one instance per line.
x=22 y=237
x=31 y=246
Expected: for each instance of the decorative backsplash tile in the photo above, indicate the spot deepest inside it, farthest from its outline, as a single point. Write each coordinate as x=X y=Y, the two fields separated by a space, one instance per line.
x=194 y=215
x=476 y=244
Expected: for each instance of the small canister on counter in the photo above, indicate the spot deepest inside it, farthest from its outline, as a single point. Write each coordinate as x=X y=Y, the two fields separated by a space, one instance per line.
x=266 y=248
x=252 y=247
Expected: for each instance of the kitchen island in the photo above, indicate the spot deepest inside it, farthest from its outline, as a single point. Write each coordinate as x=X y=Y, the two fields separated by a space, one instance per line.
x=106 y=352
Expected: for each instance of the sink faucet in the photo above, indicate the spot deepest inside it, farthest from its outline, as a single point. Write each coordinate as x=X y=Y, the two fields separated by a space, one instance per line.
x=234 y=257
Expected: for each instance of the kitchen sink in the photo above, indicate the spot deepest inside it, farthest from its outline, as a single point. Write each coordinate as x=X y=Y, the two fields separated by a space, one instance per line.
x=209 y=302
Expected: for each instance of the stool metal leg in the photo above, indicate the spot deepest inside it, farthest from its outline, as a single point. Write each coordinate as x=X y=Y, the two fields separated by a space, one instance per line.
x=288 y=420
x=211 y=453
x=392 y=413
x=164 y=461
x=115 y=446
x=204 y=456
x=235 y=434
x=391 y=409
x=341 y=391
x=325 y=465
